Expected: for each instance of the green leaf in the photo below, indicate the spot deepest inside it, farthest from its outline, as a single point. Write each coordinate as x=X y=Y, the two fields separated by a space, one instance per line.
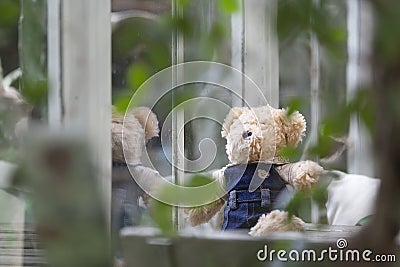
x=296 y=202
x=363 y=105
x=182 y=24
x=294 y=104
x=162 y=214
x=33 y=50
x=137 y=74
x=183 y=3
x=291 y=153
x=229 y=6
x=299 y=18
x=323 y=147
x=199 y=180
x=320 y=191
x=35 y=92
x=9 y=13
x=121 y=101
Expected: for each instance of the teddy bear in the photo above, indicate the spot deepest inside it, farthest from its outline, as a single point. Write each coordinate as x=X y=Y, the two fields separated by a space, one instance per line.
x=258 y=175
x=130 y=133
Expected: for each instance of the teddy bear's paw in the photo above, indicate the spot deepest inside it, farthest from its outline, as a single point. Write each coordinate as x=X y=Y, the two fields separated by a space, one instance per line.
x=306 y=174
x=276 y=221
x=203 y=214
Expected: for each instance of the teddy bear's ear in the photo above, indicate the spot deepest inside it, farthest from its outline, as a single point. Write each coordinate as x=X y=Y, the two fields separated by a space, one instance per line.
x=233 y=115
x=148 y=120
x=293 y=125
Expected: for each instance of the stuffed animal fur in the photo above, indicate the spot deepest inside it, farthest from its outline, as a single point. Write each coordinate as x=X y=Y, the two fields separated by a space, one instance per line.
x=255 y=140
x=140 y=126
x=129 y=137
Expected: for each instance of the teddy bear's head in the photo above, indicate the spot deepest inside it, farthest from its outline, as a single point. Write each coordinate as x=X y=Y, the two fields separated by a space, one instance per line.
x=139 y=127
x=260 y=134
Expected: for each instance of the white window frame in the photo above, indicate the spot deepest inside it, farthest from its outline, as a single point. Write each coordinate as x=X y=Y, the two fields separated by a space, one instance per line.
x=359 y=73
x=79 y=63
x=255 y=50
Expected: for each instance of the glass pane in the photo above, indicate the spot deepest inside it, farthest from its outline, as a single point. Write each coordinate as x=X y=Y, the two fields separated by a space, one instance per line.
x=149 y=36
x=295 y=75
x=141 y=47
x=209 y=39
x=10 y=110
x=23 y=44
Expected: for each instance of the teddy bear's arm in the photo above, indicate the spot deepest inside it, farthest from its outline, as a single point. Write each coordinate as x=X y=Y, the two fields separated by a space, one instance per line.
x=203 y=214
x=149 y=180
x=302 y=174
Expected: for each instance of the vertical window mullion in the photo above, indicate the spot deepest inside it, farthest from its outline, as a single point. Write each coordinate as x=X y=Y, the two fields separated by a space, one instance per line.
x=359 y=26
x=315 y=105
x=54 y=64
x=260 y=50
x=80 y=83
x=178 y=115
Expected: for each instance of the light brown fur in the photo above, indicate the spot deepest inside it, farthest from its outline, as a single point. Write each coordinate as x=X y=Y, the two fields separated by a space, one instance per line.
x=271 y=131
x=204 y=213
x=276 y=221
x=131 y=134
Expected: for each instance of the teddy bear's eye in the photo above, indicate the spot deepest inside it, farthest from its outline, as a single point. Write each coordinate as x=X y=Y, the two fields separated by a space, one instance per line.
x=246 y=134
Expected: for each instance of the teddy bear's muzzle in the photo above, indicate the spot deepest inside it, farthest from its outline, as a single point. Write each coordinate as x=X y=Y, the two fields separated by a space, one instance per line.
x=255 y=148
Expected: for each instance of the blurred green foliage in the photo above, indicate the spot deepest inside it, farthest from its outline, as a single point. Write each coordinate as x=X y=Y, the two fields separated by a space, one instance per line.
x=301 y=17
x=9 y=13
x=32 y=30
x=136 y=57
x=33 y=57
x=294 y=104
x=336 y=124
x=300 y=203
x=387 y=33
x=9 y=16
x=162 y=213
x=229 y=6
x=66 y=201
x=9 y=111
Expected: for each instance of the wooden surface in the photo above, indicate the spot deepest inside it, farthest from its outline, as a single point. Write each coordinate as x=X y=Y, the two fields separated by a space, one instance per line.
x=142 y=246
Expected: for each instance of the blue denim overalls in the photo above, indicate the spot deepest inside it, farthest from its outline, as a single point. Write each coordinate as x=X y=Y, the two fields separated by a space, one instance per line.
x=244 y=208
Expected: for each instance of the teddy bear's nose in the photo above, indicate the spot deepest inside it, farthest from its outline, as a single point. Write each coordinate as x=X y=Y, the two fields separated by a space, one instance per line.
x=246 y=134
